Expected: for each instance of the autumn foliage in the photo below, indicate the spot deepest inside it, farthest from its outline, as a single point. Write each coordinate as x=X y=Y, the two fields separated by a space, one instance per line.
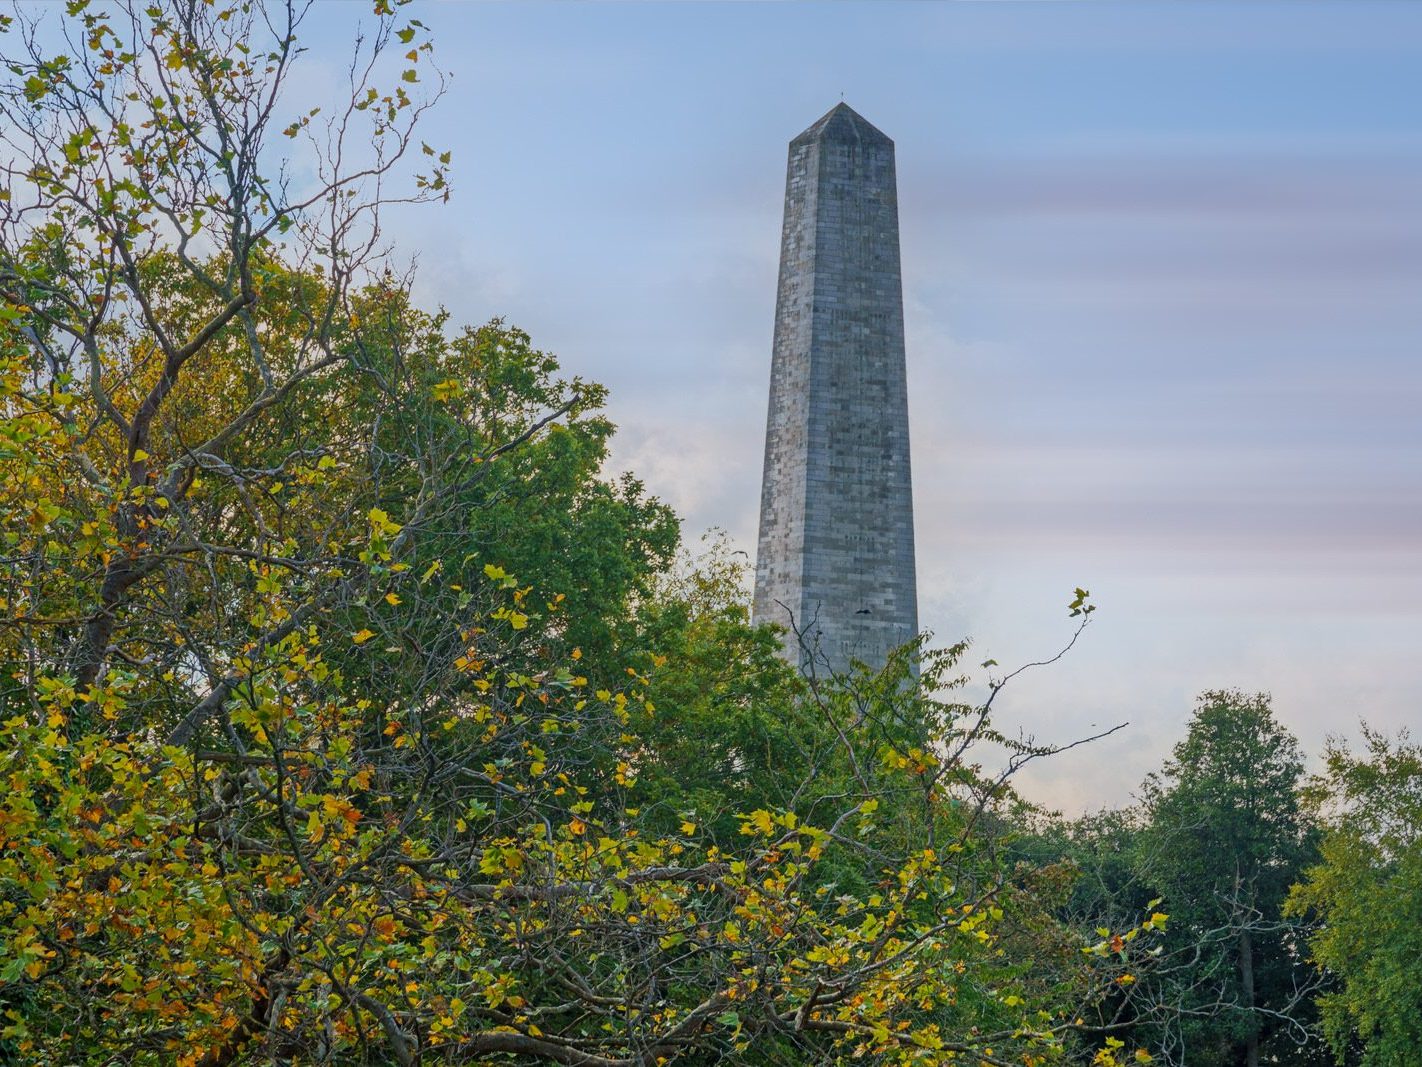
x=348 y=714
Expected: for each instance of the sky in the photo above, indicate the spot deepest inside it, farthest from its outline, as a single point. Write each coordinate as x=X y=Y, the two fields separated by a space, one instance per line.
x=1163 y=294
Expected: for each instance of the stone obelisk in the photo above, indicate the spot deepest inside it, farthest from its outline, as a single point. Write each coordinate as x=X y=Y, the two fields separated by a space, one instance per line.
x=835 y=563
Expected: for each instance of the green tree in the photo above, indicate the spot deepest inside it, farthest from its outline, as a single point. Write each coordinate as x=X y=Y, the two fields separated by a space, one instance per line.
x=729 y=728
x=1225 y=837
x=1366 y=893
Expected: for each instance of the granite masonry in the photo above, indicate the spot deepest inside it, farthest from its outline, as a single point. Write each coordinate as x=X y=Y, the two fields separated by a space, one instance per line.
x=835 y=561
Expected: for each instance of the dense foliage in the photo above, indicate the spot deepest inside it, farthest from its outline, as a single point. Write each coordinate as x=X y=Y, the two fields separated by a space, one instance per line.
x=1366 y=892
x=350 y=714
x=1226 y=838
x=1219 y=836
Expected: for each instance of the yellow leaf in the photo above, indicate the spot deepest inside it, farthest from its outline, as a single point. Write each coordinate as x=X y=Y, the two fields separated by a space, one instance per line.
x=759 y=822
x=447 y=390
x=362 y=637
x=688 y=828
x=392 y=599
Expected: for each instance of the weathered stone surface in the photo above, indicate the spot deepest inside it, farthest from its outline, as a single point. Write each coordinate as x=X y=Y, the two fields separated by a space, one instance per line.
x=836 y=515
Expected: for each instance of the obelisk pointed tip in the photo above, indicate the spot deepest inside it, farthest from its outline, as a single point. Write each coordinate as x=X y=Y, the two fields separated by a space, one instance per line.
x=843 y=123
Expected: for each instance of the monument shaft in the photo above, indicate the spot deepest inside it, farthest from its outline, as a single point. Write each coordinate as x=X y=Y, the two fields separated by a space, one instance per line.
x=835 y=558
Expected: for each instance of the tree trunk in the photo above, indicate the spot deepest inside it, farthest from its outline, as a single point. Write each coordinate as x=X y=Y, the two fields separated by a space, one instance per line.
x=1246 y=979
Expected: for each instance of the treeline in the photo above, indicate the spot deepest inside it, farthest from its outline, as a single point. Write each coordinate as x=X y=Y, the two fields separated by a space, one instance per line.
x=1288 y=894
x=350 y=715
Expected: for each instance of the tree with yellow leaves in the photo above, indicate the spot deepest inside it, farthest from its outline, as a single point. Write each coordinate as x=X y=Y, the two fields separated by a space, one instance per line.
x=330 y=668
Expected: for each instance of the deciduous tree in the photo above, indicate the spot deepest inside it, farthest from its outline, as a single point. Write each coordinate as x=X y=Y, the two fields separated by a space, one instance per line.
x=331 y=668
x=1366 y=893
x=1225 y=837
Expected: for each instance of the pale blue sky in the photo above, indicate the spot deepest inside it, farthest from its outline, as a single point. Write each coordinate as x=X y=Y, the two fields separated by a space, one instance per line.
x=1163 y=280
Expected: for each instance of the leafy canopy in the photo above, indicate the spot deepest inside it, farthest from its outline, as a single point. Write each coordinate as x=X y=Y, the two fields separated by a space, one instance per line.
x=1366 y=891
x=347 y=714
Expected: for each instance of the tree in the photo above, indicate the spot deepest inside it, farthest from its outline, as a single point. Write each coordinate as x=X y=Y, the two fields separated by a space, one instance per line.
x=1215 y=840
x=1366 y=892
x=148 y=135
x=332 y=667
x=1225 y=839
x=729 y=728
